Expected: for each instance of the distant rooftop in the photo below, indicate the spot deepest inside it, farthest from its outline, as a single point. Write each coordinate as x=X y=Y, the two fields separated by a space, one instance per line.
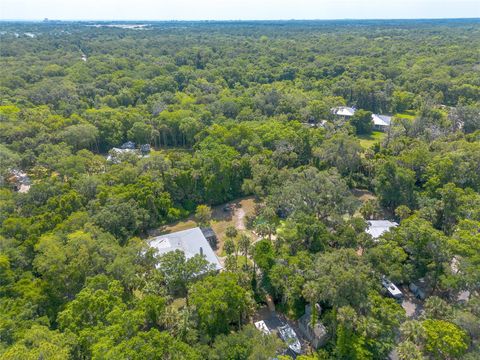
x=128 y=145
x=191 y=242
x=115 y=152
x=343 y=111
x=381 y=120
x=377 y=228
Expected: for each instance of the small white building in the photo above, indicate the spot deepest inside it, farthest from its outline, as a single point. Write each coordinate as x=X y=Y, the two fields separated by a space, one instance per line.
x=115 y=154
x=343 y=111
x=261 y=326
x=377 y=228
x=192 y=242
x=381 y=122
x=20 y=180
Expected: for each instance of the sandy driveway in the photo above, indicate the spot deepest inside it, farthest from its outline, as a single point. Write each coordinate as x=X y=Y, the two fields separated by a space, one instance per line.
x=239 y=215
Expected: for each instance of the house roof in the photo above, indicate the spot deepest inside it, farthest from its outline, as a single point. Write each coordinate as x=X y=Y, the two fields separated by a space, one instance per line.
x=145 y=147
x=115 y=152
x=208 y=232
x=343 y=111
x=191 y=242
x=319 y=330
x=122 y=150
x=19 y=177
x=381 y=120
x=128 y=145
x=377 y=228
x=260 y=325
x=24 y=188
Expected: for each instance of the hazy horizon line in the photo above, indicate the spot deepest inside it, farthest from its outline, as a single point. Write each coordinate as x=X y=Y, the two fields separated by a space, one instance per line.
x=237 y=20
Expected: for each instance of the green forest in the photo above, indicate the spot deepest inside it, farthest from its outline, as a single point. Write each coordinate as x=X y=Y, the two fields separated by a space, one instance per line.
x=220 y=111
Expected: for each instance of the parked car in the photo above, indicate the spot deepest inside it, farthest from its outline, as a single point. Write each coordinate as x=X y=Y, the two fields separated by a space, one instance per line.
x=288 y=335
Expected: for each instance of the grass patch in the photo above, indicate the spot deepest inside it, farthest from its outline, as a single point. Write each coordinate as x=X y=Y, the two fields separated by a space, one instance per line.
x=241 y=261
x=409 y=115
x=367 y=141
x=179 y=226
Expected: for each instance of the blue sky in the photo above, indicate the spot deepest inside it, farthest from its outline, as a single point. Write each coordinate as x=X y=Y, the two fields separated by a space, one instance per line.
x=236 y=9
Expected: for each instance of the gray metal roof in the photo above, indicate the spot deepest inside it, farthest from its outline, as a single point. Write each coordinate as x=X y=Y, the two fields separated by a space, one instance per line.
x=377 y=228
x=381 y=120
x=189 y=241
x=343 y=111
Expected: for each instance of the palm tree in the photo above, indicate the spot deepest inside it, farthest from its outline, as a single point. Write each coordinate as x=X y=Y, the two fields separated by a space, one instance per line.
x=412 y=331
x=169 y=319
x=437 y=308
x=271 y=221
x=263 y=229
x=185 y=325
x=310 y=293
x=244 y=245
x=231 y=263
x=231 y=234
x=229 y=246
x=407 y=350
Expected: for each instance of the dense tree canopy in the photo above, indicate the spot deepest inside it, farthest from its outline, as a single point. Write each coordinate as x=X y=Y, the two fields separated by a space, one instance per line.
x=107 y=134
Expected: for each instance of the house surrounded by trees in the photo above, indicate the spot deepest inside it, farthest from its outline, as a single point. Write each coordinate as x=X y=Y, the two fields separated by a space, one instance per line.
x=192 y=242
x=381 y=122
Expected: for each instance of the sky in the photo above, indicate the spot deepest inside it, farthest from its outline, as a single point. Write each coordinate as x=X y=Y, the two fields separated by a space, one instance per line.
x=235 y=9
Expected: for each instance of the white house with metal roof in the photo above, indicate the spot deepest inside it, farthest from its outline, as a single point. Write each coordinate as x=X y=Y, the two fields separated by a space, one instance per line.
x=344 y=111
x=377 y=228
x=381 y=122
x=191 y=242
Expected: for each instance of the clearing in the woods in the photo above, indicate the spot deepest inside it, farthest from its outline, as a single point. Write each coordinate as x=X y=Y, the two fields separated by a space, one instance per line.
x=367 y=141
x=222 y=218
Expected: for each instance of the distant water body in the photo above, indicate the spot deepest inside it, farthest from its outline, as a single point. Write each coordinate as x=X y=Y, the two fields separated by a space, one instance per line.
x=123 y=26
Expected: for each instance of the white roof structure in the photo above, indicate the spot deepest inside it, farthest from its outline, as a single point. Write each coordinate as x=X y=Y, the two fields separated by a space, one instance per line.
x=381 y=120
x=290 y=337
x=377 y=228
x=191 y=242
x=260 y=325
x=343 y=111
x=392 y=289
x=114 y=152
x=24 y=188
x=20 y=179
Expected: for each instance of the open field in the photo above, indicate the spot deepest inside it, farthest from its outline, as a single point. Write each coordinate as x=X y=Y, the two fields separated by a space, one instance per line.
x=410 y=115
x=367 y=141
